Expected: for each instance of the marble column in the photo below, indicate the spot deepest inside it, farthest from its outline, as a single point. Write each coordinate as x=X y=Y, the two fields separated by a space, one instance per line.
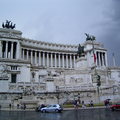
x=35 y=57
x=47 y=59
x=106 y=61
x=55 y=61
x=102 y=59
x=70 y=61
x=66 y=60
x=59 y=60
x=23 y=54
x=0 y=49
x=27 y=54
x=6 y=49
x=43 y=59
x=99 y=58
x=51 y=59
x=74 y=61
x=63 y=61
x=40 y=58
x=18 y=50
x=11 y=50
x=31 y=55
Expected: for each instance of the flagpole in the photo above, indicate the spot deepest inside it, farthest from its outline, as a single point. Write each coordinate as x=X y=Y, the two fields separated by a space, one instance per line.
x=96 y=74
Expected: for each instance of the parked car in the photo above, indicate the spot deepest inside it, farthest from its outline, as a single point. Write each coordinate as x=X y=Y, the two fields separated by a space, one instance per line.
x=115 y=106
x=52 y=108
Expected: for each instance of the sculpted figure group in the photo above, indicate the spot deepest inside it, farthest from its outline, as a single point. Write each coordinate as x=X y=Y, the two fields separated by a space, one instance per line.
x=90 y=37
x=8 y=25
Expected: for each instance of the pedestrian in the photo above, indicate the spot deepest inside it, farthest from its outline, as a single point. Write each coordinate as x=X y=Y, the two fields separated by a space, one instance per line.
x=24 y=107
x=106 y=102
x=18 y=106
x=10 y=105
x=91 y=104
x=83 y=104
x=75 y=104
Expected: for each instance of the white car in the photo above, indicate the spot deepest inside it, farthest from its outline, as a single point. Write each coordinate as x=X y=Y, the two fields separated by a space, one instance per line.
x=52 y=108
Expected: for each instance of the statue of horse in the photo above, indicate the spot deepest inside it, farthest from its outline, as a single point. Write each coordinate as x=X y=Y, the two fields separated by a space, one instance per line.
x=8 y=25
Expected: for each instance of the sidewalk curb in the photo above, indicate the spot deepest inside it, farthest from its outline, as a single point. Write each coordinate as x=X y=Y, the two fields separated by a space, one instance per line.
x=80 y=108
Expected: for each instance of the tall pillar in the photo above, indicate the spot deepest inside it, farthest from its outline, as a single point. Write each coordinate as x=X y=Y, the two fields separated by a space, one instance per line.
x=40 y=58
x=51 y=60
x=55 y=61
x=18 y=50
x=59 y=60
x=11 y=50
x=70 y=61
x=47 y=59
x=31 y=56
x=63 y=64
x=43 y=59
x=66 y=60
x=35 y=57
x=99 y=58
x=74 y=61
x=106 y=61
x=27 y=54
x=103 y=64
x=6 y=49
x=23 y=54
x=0 y=49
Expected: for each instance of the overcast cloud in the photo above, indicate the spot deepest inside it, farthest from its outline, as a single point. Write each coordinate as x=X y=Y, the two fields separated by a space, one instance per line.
x=66 y=21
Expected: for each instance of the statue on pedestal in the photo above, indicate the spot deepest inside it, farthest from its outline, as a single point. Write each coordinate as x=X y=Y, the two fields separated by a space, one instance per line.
x=8 y=25
x=80 y=50
x=90 y=37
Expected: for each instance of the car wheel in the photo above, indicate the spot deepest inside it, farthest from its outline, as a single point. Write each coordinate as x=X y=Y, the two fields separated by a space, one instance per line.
x=44 y=111
x=56 y=110
x=60 y=111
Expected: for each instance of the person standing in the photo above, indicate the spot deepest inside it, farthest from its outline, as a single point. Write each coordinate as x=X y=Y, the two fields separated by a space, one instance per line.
x=10 y=105
x=83 y=104
x=24 y=107
x=91 y=104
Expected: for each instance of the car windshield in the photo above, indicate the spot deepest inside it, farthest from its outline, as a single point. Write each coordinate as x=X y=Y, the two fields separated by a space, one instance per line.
x=52 y=106
x=49 y=106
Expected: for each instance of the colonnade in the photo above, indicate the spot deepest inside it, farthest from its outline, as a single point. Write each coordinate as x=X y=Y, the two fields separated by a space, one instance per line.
x=49 y=58
x=8 y=49
x=101 y=58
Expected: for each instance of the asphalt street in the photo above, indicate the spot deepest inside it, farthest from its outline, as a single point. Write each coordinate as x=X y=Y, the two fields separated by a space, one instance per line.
x=80 y=114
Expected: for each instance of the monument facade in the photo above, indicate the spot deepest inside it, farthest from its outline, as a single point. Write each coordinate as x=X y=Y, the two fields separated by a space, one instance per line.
x=34 y=72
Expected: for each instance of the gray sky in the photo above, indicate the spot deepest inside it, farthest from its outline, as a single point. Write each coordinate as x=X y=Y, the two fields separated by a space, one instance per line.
x=66 y=21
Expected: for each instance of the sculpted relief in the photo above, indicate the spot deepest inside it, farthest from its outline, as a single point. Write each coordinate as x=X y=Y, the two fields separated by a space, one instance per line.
x=4 y=71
